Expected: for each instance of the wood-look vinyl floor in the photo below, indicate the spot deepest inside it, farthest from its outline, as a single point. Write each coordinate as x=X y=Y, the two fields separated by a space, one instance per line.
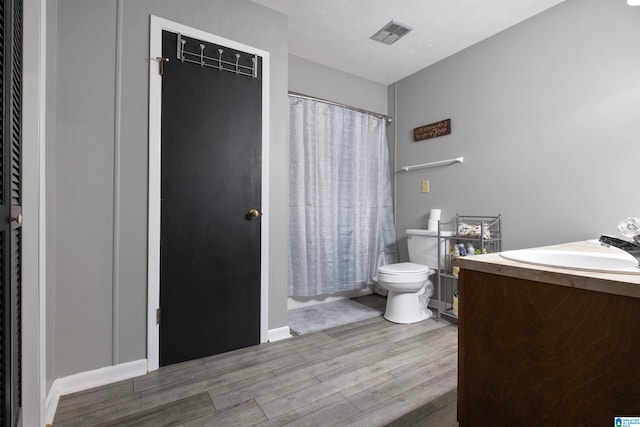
x=368 y=373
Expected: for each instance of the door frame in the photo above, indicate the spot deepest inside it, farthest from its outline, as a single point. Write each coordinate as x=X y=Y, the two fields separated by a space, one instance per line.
x=158 y=24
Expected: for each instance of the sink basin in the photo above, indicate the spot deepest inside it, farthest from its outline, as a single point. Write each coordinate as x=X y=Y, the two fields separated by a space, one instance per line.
x=615 y=262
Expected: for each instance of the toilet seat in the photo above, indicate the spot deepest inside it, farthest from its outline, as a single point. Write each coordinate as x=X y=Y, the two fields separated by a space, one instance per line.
x=404 y=272
x=403 y=268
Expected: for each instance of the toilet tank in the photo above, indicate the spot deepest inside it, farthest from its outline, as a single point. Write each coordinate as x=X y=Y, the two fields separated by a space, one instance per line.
x=423 y=246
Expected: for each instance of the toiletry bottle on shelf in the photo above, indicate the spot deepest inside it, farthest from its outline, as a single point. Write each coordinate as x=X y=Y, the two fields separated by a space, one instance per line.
x=455 y=269
x=461 y=250
x=448 y=260
x=470 y=249
x=455 y=302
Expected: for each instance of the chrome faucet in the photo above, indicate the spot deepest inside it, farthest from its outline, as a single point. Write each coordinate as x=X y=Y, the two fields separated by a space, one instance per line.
x=631 y=246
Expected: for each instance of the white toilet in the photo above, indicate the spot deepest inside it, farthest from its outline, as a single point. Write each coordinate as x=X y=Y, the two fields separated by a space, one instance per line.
x=407 y=282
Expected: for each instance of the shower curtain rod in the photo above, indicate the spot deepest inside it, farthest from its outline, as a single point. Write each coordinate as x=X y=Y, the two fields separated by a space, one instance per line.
x=387 y=119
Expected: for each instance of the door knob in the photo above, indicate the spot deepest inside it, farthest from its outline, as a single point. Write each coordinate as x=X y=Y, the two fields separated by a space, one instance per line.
x=253 y=214
x=17 y=219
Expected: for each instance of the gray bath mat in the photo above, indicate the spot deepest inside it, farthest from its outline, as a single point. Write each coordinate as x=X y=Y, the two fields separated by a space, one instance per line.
x=328 y=315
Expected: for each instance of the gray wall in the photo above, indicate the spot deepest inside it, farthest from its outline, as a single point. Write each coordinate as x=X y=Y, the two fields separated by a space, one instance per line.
x=84 y=190
x=317 y=80
x=547 y=117
x=100 y=249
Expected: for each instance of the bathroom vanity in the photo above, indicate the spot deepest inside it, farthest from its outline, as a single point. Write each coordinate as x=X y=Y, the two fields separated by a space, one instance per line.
x=544 y=346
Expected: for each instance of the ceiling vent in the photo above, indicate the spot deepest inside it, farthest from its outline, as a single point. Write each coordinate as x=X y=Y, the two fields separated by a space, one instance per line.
x=391 y=33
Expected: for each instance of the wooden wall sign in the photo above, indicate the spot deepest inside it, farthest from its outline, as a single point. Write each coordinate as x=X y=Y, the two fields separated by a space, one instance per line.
x=432 y=130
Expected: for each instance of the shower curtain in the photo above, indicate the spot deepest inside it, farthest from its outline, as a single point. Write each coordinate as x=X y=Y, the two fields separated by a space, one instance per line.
x=341 y=226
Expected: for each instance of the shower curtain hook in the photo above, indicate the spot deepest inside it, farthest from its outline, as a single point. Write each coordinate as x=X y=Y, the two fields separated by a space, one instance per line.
x=220 y=59
x=201 y=55
x=237 y=59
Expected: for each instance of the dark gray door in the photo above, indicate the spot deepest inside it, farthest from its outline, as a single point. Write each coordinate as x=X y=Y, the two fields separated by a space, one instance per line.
x=211 y=178
x=10 y=209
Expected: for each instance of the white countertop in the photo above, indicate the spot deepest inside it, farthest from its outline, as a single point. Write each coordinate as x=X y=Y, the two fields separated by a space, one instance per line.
x=612 y=283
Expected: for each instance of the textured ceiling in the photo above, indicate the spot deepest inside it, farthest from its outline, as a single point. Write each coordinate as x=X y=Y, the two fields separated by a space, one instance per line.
x=336 y=33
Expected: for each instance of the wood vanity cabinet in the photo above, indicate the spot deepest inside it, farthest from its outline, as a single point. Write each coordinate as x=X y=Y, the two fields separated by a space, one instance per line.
x=539 y=354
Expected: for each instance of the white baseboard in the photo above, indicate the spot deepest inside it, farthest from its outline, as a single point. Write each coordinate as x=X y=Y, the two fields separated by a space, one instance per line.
x=91 y=379
x=279 y=334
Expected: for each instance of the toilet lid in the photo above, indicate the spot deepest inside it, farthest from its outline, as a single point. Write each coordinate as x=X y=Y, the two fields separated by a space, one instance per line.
x=403 y=268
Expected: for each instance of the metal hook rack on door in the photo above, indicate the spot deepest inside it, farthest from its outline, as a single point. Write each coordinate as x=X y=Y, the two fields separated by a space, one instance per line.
x=216 y=63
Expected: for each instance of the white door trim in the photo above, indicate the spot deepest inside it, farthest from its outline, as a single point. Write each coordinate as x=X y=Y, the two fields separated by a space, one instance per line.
x=155 y=98
x=34 y=327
